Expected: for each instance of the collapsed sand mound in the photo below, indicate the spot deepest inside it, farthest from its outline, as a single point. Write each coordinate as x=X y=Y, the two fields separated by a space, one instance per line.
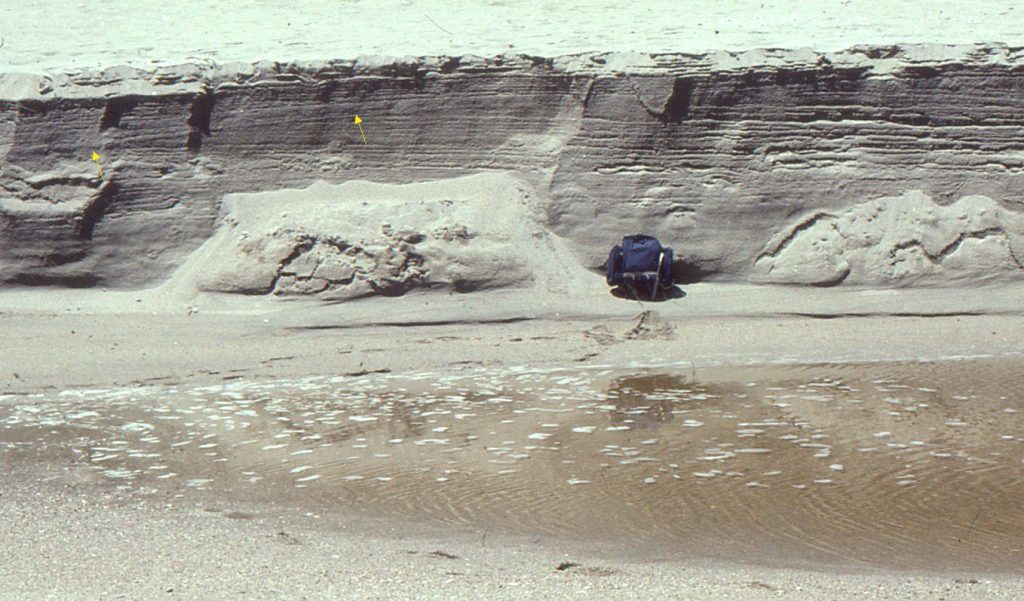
x=361 y=238
x=898 y=240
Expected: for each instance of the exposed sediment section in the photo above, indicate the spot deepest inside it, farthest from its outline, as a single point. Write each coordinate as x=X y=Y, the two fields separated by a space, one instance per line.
x=726 y=156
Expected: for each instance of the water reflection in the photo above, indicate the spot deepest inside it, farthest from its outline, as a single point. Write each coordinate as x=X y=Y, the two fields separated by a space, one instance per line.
x=878 y=464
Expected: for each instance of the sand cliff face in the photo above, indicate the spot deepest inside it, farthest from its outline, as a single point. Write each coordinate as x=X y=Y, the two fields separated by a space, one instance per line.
x=729 y=157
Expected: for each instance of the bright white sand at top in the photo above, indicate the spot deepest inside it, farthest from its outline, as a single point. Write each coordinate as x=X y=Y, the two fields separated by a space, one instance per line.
x=55 y=35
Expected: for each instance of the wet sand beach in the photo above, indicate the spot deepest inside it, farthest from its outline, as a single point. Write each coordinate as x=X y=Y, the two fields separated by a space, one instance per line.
x=778 y=477
x=905 y=466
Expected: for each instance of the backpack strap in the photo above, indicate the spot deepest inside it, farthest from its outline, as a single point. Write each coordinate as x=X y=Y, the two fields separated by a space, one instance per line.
x=657 y=276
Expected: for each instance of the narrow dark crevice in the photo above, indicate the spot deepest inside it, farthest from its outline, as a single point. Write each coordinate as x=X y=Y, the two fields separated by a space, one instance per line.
x=300 y=249
x=450 y=65
x=325 y=90
x=588 y=95
x=420 y=80
x=677 y=107
x=415 y=324
x=807 y=223
x=33 y=106
x=955 y=245
x=199 y=120
x=114 y=110
x=94 y=212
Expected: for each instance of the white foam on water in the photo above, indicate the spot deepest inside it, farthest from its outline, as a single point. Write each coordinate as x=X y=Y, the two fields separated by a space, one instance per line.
x=716 y=457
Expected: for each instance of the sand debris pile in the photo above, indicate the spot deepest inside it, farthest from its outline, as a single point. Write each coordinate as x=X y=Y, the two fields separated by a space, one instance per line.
x=359 y=239
x=899 y=240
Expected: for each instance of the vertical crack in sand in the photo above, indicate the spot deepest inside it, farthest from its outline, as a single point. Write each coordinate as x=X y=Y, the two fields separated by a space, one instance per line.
x=199 y=115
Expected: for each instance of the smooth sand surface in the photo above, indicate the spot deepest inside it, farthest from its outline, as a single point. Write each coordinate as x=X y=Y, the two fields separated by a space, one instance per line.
x=54 y=36
x=151 y=337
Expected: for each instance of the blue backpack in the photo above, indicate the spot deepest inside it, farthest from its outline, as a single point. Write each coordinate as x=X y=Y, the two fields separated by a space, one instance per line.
x=641 y=262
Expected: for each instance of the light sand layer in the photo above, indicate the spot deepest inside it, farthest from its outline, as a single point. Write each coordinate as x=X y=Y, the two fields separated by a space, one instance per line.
x=96 y=338
x=56 y=35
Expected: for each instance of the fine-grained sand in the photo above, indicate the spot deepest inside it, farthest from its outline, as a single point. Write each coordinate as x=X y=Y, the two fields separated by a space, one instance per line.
x=69 y=543
x=79 y=34
x=81 y=534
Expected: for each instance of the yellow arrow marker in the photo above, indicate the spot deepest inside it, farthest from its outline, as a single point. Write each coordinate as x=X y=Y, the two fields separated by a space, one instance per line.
x=96 y=158
x=359 y=122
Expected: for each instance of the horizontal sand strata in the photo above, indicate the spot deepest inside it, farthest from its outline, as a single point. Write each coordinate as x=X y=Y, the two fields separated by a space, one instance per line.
x=718 y=154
